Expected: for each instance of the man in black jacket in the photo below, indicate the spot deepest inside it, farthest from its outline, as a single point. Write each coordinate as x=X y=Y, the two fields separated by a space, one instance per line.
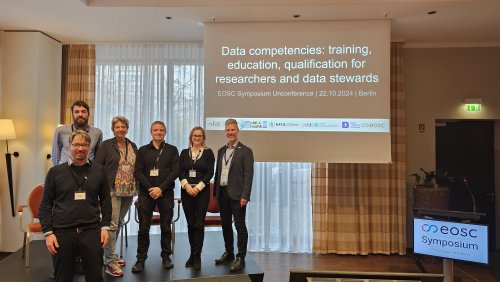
x=156 y=169
x=75 y=212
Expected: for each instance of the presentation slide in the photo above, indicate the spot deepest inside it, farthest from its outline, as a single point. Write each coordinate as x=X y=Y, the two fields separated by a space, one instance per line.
x=314 y=91
x=461 y=241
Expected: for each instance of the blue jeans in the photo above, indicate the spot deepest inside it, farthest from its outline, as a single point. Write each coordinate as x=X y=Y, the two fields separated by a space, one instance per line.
x=120 y=207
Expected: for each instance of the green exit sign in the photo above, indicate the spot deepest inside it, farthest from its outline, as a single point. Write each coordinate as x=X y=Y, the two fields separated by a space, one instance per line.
x=473 y=107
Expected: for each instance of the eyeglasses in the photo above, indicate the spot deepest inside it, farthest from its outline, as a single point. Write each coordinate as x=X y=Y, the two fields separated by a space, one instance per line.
x=80 y=145
x=197 y=136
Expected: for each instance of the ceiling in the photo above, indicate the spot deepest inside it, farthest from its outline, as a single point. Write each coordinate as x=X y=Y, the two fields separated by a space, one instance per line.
x=454 y=23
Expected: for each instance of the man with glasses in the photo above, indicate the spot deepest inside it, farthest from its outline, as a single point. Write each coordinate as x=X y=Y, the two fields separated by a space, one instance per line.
x=60 y=146
x=75 y=212
x=80 y=111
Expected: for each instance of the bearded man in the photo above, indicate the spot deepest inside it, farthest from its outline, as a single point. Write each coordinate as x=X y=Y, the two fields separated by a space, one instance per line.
x=60 y=145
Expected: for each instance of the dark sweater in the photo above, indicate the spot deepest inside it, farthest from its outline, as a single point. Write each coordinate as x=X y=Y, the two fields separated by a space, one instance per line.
x=59 y=209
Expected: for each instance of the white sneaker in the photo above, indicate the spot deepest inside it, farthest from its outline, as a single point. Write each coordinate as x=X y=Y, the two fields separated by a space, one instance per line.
x=114 y=269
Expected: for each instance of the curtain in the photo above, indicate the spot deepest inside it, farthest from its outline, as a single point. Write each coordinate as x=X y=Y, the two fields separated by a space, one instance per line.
x=148 y=82
x=279 y=213
x=78 y=79
x=361 y=208
x=164 y=81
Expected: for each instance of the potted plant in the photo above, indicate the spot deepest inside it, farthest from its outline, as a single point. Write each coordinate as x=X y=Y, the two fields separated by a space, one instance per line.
x=434 y=191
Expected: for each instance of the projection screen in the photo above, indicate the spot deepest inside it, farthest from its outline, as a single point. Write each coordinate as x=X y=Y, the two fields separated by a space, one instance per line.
x=314 y=91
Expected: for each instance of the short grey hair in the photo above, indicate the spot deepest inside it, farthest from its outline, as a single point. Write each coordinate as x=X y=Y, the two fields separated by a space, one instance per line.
x=231 y=121
x=116 y=119
x=160 y=123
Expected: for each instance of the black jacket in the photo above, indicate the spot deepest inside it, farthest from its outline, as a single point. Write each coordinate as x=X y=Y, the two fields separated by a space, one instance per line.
x=168 y=165
x=109 y=156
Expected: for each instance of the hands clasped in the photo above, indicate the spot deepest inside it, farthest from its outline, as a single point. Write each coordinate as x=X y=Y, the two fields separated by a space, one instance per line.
x=155 y=192
x=192 y=190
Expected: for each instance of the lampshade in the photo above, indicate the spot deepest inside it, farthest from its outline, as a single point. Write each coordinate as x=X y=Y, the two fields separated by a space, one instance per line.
x=7 y=131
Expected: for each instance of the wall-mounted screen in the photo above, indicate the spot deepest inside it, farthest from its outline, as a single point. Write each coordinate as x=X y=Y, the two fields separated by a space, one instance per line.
x=301 y=91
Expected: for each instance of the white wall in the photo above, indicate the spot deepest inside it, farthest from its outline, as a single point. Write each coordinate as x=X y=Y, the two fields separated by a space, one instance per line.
x=30 y=95
x=437 y=82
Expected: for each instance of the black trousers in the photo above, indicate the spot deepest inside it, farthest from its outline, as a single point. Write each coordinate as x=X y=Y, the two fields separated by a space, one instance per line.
x=87 y=244
x=146 y=207
x=195 y=209
x=230 y=209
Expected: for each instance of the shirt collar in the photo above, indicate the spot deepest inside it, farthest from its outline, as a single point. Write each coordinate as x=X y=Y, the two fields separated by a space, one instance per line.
x=70 y=161
x=234 y=146
x=86 y=128
x=152 y=146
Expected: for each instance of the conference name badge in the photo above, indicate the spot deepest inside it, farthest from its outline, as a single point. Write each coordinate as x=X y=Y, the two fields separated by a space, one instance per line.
x=192 y=173
x=154 y=172
x=126 y=168
x=79 y=196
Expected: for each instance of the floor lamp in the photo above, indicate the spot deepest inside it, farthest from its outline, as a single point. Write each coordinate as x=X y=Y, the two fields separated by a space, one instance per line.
x=7 y=132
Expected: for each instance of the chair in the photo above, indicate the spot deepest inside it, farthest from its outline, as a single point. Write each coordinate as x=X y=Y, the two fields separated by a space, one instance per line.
x=33 y=226
x=155 y=219
x=213 y=212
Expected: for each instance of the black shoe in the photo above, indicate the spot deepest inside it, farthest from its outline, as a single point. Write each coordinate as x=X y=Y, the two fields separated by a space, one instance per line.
x=138 y=267
x=197 y=262
x=167 y=263
x=238 y=264
x=190 y=261
x=226 y=256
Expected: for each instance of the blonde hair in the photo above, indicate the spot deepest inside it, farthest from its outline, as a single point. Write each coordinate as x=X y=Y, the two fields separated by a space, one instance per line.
x=191 y=135
x=80 y=133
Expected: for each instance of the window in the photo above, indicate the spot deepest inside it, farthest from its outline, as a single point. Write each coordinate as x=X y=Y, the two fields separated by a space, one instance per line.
x=164 y=81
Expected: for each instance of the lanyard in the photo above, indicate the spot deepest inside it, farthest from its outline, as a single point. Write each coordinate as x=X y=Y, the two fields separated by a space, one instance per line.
x=226 y=161
x=120 y=152
x=159 y=154
x=79 y=184
x=195 y=158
